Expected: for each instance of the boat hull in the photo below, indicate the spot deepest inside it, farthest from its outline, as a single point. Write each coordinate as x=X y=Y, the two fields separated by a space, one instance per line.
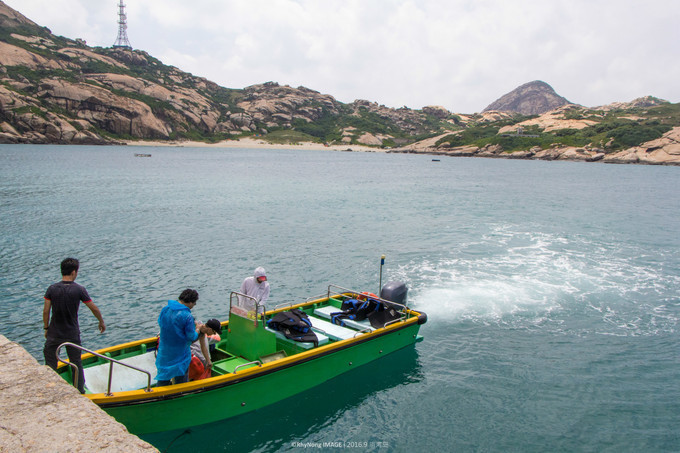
x=220 y=398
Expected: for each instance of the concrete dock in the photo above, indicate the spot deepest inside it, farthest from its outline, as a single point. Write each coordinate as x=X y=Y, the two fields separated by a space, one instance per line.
x=40 y=412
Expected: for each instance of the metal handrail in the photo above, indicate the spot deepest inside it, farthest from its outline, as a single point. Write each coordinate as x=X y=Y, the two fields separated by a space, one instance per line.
x=320 y=296
x=111 y=362
x=362 y=331
x=404 y=308
x=394 y=321
x=246 y=364
x=71 y=365
x=285 y=304
x=309 y=299
x=258 y=305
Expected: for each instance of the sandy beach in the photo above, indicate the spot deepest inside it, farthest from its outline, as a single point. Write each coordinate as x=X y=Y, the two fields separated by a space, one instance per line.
x=250 y=142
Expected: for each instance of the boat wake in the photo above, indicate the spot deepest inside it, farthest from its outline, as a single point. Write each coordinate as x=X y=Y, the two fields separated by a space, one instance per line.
x=533 y=279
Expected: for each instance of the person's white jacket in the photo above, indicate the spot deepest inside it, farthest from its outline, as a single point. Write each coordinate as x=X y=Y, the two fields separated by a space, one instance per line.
x=251 y=287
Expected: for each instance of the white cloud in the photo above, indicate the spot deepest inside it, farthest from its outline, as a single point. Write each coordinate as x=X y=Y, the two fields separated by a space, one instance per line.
x=462 y=54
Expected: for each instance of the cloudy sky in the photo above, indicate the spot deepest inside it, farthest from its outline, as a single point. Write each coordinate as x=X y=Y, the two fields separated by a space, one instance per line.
x=461 y=54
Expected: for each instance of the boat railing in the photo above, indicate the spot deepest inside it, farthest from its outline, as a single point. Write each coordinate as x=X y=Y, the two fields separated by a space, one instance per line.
x=108 y=359
x=320 y=296
x=400 y=307
x=285 y=304
x=254 y=362
x=309 y=299
x=241 y=304
x=363 y=331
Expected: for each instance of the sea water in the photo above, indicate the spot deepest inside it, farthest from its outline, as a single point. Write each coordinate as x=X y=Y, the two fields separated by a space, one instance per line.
x=552 y=288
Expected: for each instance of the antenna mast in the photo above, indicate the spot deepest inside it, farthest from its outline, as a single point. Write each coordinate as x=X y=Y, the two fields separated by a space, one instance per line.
x=122 y=41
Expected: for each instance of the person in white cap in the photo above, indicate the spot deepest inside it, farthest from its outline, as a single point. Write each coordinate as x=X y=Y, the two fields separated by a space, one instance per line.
x=256 y=286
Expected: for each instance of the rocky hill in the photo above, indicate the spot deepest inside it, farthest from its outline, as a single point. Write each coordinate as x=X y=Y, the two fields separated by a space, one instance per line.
x=57 y=90
x=644 y=131
x=533 y=98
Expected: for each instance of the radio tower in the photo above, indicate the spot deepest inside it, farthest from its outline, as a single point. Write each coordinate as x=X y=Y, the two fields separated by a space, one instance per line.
x=122 y=41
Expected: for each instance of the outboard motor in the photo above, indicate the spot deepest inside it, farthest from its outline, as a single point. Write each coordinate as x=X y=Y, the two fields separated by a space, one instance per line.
x=394 y=292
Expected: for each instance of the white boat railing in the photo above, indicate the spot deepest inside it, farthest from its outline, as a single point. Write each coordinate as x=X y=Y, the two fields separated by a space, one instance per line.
x=109 y=359
x=244 y=306
x=403 y=308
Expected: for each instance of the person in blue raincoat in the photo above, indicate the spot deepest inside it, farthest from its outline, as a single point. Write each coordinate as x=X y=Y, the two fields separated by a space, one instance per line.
x=178 y=331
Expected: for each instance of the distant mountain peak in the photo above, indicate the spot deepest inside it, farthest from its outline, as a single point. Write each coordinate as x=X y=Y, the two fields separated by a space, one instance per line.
x=533 y=98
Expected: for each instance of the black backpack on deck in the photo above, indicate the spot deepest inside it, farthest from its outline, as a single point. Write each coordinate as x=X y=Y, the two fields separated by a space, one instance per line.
x=375 y=311
x=294 y=324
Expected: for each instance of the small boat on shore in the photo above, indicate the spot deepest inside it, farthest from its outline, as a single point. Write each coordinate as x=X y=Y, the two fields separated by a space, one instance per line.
x=255 y=363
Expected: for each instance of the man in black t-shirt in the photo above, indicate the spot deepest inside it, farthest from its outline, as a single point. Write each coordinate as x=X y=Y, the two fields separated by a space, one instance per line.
x=63 y=299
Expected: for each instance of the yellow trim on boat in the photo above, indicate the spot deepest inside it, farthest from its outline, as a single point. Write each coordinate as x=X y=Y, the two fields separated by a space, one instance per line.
x=190 y=387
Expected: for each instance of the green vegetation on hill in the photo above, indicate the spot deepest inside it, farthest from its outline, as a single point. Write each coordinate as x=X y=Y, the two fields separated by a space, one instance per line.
x=329 y=128
x=289 y=137
x=615 y=130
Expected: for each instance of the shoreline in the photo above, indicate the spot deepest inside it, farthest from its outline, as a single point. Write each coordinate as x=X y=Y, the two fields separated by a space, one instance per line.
x=635 y=156
x=663 y=152
x=252 y=143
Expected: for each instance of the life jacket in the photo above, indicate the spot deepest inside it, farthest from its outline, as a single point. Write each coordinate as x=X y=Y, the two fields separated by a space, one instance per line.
x=374 y=310
x=294 y=324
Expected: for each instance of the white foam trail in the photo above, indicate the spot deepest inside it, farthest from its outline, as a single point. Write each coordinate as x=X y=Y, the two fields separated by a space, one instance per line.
x=525 y=279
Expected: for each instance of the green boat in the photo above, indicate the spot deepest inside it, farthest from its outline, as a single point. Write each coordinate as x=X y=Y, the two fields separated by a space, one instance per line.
x=253 y=364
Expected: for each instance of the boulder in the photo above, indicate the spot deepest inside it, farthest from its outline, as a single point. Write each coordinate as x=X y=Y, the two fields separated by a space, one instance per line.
x=462 y=151
x=437 y=111
x=117 y=114
x=662 y=151
x=369 y=139
x=84 y=55
x=11 y=55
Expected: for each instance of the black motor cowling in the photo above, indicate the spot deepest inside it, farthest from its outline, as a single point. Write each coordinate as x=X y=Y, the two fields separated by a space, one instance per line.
x=394 y=292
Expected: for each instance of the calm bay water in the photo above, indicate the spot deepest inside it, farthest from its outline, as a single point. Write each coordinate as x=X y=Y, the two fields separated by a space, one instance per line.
x=552 y=289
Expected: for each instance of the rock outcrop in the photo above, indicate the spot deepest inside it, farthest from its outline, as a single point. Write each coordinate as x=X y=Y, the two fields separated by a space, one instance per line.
x=557 y=152
x=56 y=90
x=412 y=122
x=118 y=114
x=279 y=106
x=533 y=98
x=274 y=106
x=662 y=151
x=643 y=102
x=560 y=118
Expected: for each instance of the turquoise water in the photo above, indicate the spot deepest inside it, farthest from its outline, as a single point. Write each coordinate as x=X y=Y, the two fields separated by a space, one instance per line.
x=552 y=288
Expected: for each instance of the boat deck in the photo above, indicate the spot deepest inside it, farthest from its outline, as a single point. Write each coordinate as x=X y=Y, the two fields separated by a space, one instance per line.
x=227 y=357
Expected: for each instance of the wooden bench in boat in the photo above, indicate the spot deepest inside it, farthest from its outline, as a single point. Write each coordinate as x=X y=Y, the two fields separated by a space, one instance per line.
x=325 y=312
